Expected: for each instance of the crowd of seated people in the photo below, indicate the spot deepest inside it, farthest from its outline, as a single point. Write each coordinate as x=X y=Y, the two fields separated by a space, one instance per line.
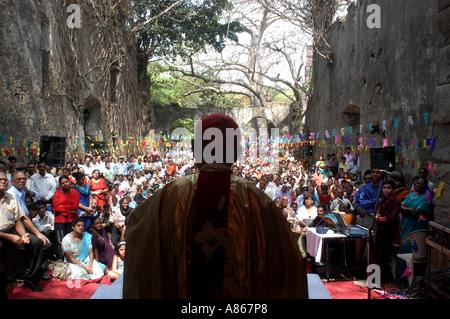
x=78 y=213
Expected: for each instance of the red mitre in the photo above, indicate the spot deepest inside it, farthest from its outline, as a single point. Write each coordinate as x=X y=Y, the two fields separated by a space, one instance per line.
x=221 y=122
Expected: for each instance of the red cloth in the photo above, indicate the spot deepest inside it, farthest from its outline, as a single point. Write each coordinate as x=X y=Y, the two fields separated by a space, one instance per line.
x=55 y=289
x=171 y=169
x=220 y=121
x=324 y=199
x=64 y=204
x=349 y=290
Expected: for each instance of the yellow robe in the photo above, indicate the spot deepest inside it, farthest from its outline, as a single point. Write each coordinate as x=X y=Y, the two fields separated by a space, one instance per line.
x=262 y=259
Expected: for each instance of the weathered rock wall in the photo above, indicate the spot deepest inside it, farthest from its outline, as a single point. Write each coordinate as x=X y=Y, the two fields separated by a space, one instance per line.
x=389 y=73
x=441 y=111
x=279 y=115
x=61 y=81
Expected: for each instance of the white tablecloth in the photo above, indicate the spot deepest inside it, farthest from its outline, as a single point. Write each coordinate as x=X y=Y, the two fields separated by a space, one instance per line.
x=315 y=242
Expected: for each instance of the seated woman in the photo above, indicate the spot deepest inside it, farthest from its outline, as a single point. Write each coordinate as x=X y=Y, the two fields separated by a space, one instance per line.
x=77 y=248
x=416 y=210
x=101 y=244
x=308 y=212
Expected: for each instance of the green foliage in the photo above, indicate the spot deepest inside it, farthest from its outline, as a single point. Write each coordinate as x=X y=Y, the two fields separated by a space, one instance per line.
x=279 y=97
x=184 y=30
x=166 y=90
x=183 y=123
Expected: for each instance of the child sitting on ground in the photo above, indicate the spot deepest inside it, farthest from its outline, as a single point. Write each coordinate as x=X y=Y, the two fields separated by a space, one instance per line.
x=118 y=262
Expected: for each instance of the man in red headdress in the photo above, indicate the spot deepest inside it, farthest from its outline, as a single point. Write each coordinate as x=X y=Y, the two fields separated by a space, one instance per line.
x=212 y=234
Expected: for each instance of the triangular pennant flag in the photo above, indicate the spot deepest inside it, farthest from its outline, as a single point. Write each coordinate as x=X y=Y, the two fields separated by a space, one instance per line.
x=408 y=272
x=440 y=189
x=415 y=247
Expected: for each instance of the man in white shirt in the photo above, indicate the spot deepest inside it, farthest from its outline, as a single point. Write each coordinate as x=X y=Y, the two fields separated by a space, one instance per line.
x=348 y=155
x=44 y=220
x=43 y=182
x=139 y=179
x=123 y=184
x=157 y=164
x=354 y=168
x=88 y=167
x=97 y=164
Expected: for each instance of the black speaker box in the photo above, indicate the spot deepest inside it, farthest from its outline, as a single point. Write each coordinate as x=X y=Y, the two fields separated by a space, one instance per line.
x=53 y=150
x=307 y=150
x=383 y=158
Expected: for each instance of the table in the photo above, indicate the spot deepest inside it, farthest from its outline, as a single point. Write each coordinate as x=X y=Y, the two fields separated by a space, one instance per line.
x=315 y=243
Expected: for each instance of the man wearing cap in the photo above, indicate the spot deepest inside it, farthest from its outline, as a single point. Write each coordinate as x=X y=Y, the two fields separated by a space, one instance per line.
x=212 y=235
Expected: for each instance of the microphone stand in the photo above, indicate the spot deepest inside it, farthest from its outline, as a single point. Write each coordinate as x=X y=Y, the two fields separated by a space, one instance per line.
x=374 y=236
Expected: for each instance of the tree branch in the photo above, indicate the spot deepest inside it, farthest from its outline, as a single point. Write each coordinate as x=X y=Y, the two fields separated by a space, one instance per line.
x=143 y=24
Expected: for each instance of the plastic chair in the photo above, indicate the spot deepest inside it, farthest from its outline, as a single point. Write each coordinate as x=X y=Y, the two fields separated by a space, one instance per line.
x=417 y=256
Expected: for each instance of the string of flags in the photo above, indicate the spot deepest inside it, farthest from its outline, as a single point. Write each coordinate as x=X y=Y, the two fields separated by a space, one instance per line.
x=124 y=145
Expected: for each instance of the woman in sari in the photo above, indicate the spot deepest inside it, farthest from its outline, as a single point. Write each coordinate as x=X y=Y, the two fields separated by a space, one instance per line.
x=77 y=248
x=416 y=211
x=103 y=248
x=417 y=208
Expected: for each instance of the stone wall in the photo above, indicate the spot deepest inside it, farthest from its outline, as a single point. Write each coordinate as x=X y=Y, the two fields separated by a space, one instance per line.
x=441 y=118
x=61 y=81
x=279 y=115
x=379 y=75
